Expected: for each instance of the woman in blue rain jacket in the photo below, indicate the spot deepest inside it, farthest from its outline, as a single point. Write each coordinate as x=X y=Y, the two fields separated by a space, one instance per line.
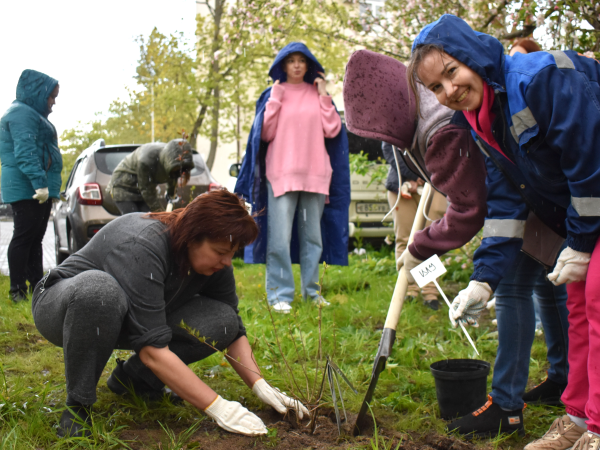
x=537 y=119
x=31 y=168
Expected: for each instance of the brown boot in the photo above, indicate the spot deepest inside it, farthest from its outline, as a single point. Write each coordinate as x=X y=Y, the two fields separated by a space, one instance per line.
x=562 y=435
x=430 y=296
x=412 y=291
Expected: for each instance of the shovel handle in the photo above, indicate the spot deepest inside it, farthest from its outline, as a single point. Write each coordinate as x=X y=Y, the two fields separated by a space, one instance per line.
x=401 y=287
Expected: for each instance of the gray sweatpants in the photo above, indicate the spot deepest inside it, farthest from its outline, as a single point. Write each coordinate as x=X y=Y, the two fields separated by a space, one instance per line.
x=86 y=316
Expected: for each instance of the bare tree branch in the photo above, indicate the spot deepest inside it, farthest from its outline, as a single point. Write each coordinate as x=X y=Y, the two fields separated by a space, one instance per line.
x=493 y=16
x=526 y=31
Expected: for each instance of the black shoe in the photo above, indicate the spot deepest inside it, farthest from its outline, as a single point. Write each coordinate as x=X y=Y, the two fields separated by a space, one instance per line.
x=432 y=304
x=546 y=393
x=18 y=296
x=121 y=383
x=488 y=421
x=75 y=421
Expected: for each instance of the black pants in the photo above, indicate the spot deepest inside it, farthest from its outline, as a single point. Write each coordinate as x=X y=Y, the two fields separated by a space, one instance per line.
x=86 y=316
x=132 y=207
x=25 y=258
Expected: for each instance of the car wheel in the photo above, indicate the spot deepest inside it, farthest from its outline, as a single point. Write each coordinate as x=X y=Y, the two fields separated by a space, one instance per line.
x=60 y=256
x=73 y=247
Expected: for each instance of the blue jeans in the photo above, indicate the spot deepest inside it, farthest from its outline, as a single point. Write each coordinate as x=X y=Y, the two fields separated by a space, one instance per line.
x=280 y=221
x=516 y=330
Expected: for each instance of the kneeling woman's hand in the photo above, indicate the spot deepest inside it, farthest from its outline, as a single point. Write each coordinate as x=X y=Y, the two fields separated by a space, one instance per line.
x=232 y=416
x=277 y=399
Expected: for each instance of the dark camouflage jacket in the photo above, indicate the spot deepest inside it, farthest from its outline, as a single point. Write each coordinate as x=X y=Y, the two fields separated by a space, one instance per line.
x=136 y=177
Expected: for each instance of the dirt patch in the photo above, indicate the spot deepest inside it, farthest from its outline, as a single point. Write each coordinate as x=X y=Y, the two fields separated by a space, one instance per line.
x=285 y=435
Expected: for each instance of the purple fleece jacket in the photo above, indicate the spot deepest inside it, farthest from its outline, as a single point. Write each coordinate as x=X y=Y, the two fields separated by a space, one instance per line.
x=457 y=169
x=380 y=105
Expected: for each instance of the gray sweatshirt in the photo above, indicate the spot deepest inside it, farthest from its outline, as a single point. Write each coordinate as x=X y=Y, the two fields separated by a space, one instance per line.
x=137 y=253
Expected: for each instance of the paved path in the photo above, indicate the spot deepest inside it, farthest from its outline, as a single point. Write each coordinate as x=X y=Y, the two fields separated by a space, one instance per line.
x=6 y=231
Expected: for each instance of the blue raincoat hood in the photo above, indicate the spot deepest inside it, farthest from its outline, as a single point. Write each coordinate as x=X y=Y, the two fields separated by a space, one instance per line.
x=276 y=71
x=34 y=88
x=483 y=53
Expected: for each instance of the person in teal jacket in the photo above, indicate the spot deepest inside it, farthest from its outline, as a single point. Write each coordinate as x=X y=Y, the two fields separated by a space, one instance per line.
x=31 y=168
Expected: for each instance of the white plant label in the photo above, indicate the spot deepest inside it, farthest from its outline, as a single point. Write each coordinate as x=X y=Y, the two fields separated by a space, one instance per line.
x=428 y=271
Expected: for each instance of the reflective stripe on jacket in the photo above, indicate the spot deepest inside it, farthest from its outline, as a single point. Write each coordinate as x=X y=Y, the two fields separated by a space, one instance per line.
x=548 y=124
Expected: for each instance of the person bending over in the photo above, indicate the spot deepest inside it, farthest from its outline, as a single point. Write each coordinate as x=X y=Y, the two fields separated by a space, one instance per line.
x=133 y=182
x=131 y=287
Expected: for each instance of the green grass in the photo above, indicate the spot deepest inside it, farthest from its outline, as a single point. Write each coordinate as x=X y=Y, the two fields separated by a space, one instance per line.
x=32 y=383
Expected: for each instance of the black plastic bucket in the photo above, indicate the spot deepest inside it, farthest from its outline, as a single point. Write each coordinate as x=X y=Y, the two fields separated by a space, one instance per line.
x=460 y=385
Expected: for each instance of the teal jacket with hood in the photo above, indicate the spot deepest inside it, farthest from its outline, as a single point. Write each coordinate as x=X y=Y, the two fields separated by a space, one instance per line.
x=29 y=149
x=547 y=123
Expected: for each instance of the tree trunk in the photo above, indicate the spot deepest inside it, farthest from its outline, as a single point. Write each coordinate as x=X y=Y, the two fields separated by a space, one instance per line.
x=214 y=134
x=200 y=118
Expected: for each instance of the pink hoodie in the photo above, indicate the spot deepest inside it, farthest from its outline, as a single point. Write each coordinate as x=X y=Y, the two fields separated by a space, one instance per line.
x=297 y=121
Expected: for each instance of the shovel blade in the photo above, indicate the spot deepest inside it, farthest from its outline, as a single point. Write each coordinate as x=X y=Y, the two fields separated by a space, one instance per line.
x=383 y=353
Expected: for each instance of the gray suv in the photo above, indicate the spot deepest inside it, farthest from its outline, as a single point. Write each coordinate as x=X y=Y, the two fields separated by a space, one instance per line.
x=85 y=207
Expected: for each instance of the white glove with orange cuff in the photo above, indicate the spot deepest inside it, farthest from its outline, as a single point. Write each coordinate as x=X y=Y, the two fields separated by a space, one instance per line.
x=232 y=416
x=571 y=266
x=277 y=399
x=469 y=303
x=410 y=262
x=41 y=195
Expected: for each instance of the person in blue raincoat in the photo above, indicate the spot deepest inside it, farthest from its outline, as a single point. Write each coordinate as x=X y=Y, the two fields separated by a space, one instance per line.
x=536 y=117
x=31 y=167
x=296 y=166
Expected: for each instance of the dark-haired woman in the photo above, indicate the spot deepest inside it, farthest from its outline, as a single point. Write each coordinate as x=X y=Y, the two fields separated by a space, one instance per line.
x=131 y=287
x=536 y=117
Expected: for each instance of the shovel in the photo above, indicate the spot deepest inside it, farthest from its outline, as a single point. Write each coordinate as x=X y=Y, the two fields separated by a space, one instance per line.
x=389 y=330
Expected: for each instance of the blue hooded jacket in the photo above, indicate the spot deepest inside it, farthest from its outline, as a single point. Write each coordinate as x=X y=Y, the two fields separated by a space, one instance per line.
x=29 y=149
x=251 y=183
x=547 y=107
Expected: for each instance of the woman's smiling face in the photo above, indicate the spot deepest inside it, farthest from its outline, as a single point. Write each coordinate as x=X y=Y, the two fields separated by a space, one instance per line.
x=454 y=84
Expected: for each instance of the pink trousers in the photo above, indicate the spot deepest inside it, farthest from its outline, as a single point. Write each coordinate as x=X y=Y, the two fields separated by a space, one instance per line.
x=582 y=396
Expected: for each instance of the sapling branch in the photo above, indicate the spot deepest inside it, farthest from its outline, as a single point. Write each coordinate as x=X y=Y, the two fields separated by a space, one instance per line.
x=279 y=346
x=202 y=339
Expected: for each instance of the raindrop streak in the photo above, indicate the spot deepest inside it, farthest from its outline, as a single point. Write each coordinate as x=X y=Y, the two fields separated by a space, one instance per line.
x=151 y=276
x=98 y=331
x=225 y=330
x=305 y=214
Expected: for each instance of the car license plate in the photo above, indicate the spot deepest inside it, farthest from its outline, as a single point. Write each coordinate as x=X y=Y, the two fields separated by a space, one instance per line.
x=372 y=208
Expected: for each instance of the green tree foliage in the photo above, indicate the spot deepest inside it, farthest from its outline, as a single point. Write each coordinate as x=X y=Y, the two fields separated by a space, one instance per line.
x=167 y=86
x=237 y=42
x=220 y=80
x=566 y=24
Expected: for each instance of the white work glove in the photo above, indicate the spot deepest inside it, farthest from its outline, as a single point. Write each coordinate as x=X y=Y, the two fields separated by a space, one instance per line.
x=232 y=416
x=277 y=399
x=410 y=262
x=469 y=303
x=571 y=266
x=41 y=195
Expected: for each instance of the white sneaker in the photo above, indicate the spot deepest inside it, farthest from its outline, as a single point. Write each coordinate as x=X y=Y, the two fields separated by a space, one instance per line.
x=282 y=307
x=320 y=300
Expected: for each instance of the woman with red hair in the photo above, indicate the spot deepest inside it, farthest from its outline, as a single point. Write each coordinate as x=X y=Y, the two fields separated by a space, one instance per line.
x=131 y=287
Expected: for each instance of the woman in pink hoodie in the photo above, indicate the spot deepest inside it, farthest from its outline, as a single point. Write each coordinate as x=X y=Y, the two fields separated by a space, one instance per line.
x=298 y=117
